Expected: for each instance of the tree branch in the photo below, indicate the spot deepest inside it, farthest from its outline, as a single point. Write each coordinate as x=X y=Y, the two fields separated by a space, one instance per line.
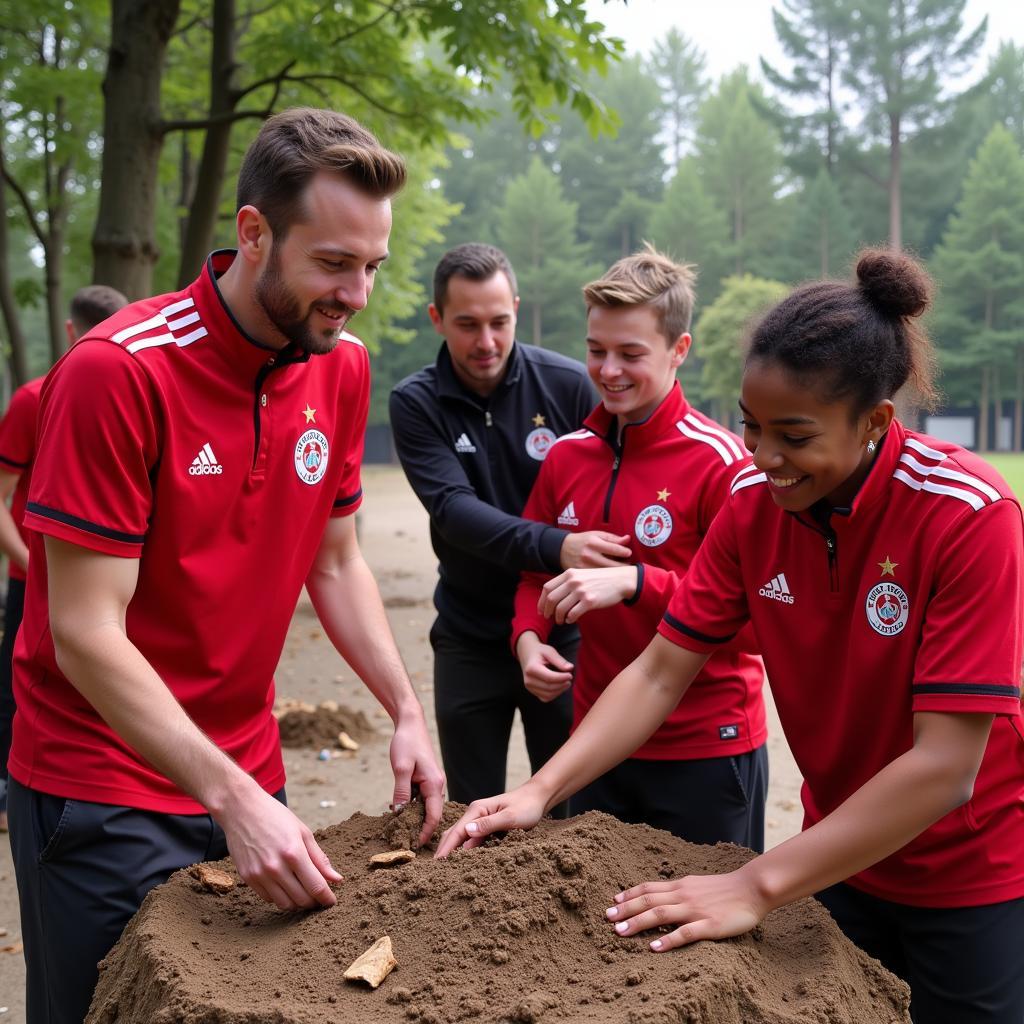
x=274 y=79
x=389 y=9
x=25 y=202
x=229 y=117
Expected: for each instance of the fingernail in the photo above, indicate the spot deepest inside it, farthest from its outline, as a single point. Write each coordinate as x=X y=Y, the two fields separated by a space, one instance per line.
x=472 y=827
x=612 y=912
x=621 y=927
x=398 y=807
x=656 y=944
x=618 y=897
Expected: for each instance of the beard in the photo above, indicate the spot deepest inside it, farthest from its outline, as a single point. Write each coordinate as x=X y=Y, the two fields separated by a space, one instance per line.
x=282 y=309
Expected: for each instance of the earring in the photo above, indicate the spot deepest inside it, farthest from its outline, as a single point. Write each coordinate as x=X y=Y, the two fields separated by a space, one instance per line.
x=871 y=447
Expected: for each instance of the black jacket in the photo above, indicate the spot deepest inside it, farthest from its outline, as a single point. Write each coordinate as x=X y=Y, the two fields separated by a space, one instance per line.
x=469 y=461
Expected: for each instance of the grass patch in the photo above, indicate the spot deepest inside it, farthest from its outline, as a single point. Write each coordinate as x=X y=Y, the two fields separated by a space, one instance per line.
x=1011 y=465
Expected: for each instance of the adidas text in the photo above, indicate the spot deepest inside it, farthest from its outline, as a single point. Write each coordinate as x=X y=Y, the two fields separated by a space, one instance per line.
x=777 y=589
x=195 y=470
x=205 y=463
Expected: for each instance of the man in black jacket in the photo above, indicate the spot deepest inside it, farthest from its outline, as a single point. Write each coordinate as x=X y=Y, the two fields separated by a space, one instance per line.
x=471 y=431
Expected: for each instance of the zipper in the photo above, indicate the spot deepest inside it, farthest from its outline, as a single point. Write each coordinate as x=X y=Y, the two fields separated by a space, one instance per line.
x=261 y=379
x=831 y=548
x=488 y=418
x=616 y=462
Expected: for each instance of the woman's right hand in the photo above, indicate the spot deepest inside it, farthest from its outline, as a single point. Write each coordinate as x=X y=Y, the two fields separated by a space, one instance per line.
x=521 y=808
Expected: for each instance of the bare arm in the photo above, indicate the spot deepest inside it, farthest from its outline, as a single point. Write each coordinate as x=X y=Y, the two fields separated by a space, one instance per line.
x=348 y=604
x=907 y=796
x=635 y=703
x=89 y=595
x=11 y=543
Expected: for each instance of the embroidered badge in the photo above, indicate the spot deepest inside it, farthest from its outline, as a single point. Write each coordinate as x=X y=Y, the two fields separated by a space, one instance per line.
x=887 y=608
x=311 y=457
x=653 y=526
x=539 y=442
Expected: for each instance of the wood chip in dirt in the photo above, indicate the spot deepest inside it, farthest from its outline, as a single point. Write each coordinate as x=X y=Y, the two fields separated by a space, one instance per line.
x=391 y=858
x=346 y=742
x=212 y=879
x=14 y=947
x=374 y=965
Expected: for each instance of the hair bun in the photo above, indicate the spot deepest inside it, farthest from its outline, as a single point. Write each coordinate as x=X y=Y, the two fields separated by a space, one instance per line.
x=894 y=283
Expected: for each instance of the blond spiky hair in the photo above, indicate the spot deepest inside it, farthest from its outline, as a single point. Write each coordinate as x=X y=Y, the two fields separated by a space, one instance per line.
x=648 y=278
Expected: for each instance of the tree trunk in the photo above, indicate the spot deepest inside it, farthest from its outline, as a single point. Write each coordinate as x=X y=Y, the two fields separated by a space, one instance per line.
x=124 y=240
x=12 y=318
x=538 y=338
x=982 y=445
x=895 y=184
x=1018 y=402
x=202 y=214
x=997 y=408
x=53 y=255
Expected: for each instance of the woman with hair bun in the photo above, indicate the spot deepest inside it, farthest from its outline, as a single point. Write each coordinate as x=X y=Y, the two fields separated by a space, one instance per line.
x=882 y=572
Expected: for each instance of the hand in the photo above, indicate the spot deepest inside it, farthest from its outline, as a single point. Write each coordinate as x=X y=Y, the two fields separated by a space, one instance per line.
x=593 y=549
x=521 y=808
x=414 y=764
x=705 y=906
x=276 y=854
x=546 y=674
x=567 y=598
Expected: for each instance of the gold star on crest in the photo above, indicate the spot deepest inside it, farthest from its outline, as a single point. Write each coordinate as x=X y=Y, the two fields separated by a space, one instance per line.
x=888 y=568
x=663 y=494
x=538 y=420
x=310 y=414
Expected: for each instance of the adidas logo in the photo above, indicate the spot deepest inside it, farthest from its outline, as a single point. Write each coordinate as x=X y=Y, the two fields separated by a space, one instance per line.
x=463 y=444
x=777 y=589
x=568 y=516
x=205 y=463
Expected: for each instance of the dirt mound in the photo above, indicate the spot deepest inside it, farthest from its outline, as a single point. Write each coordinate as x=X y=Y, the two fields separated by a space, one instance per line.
x=318 y=726
x=512 y=933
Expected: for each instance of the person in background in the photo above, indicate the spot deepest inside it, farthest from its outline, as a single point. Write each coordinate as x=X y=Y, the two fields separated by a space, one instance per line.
x=90 y=306
x=471 y=431
x=895 y=666
x=648 y=465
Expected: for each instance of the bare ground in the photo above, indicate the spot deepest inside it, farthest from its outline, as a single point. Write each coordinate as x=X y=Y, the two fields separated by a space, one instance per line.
x=394 y=538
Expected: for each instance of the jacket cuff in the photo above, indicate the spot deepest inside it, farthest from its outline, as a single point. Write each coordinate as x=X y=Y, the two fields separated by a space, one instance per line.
x=639 y=585
x=551 y=548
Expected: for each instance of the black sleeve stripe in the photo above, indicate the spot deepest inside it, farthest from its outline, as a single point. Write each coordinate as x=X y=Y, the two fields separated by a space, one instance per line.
x=10 y=462
x=84 y=524
x=639 y=586
x=345 y=502
x=968 y=689
x=702 y=637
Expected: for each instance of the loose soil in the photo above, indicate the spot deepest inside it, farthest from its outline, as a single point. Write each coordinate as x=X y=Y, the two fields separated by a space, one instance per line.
x=513 y=932
x=319 y=727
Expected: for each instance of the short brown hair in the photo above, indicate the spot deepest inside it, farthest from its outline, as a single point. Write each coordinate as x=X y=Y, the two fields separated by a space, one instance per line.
x=476 y=261
x=296 y=144
x=92 y=305
x=648 y=278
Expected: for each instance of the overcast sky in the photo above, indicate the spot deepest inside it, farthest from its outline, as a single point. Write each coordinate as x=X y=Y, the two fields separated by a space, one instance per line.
x=735 y=32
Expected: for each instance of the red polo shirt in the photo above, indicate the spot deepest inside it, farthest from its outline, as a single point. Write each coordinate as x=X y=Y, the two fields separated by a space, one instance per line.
x=17 y=450
x=909 y=601
x=663 y=485
x=170 y=436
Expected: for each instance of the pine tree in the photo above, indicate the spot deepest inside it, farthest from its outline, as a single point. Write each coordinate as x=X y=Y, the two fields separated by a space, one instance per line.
x=537 y=230
x=677 y=64
x=980 y=268
x=821 y=238
x=741 y=165
x=810 y=33
x=896 y=52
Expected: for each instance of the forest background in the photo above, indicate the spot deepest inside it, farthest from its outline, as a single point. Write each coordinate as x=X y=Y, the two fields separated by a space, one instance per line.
x=527 y=124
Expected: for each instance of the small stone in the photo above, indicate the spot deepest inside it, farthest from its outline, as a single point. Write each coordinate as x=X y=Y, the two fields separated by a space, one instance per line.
x=212 y=879
x=324 y=755
x=391 y=858
x=374 y=965
x=346 y=742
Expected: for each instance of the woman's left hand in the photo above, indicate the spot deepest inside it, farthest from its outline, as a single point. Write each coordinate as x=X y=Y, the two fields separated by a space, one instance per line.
x=704 y=907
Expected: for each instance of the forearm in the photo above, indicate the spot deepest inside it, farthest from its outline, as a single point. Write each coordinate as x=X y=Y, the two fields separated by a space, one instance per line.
x=886 y=813
x=348 y=604
x=630 y=709
x=11 y=542
x=112 y=674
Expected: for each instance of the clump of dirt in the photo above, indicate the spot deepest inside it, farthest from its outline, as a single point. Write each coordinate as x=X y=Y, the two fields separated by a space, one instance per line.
x=511 y=933
x=318 y=725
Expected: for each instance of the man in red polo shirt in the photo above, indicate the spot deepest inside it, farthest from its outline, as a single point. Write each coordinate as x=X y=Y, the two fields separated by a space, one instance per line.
x=90 y=306
x=198 y=462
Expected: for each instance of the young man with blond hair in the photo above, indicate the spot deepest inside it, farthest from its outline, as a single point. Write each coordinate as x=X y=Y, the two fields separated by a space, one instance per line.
x=199 y=461
x=648 y=465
